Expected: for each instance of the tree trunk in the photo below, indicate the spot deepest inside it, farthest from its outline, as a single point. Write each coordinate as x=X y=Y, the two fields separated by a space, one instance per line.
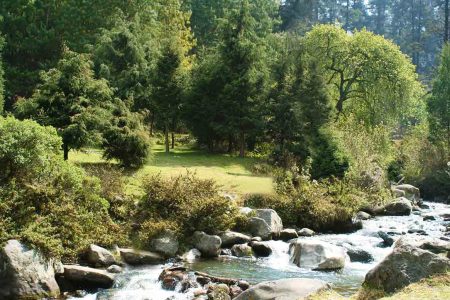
x=66 y=151
x=166 y=138
x=242 y=144
x=446 y=21
x=230 y=144
x=152 y=122
x=173 y=140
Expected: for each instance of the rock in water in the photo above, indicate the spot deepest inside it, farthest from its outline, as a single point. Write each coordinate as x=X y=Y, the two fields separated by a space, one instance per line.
x=87 y=278
x=231 y=238
x=261 y=249
x=137 y=257
x=306 y=232
x=100 y=257
x=242 y=250
x=25 y=273
x=361 y=215
x=317 y=255
x=399 y=207
x=387 y=239
x=208 y=245
x=272 y=219
x=284 y=289
x=165 y=244
x=411 y=192
x=405 y=265
x=359 y=255
x=259 y=227
x=288 y=234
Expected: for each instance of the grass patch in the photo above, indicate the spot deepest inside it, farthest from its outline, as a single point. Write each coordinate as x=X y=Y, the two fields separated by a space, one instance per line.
x=434 y=288
x=232 y=173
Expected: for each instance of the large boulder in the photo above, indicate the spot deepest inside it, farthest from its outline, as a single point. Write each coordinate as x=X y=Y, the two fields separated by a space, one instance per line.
x=208 y=245
x=288 y=234
x=261 y=249
x=138 y=257
x=230 y=238
x=359 y=255
x=399 y=207
x=272 y=219
x=284 y=289
x=99 y=257
x=411 y=192
x=25 y=273
x=87 y=278
x=242 y=250
x=259 y=227
x=165 y=244
x=405 y=265
x=317 y=255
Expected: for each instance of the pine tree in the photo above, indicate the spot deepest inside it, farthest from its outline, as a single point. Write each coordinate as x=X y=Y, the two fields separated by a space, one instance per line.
x=439 y=103
x=71 y=100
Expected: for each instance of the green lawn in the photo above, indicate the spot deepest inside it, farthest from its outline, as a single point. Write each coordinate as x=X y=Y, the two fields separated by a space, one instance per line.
x=232 y=173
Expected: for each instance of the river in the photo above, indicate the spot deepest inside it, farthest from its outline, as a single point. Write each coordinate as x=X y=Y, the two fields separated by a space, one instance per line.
x=142 y=283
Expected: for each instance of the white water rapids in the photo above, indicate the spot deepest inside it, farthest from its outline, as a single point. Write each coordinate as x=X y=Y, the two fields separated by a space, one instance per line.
x=142 y=283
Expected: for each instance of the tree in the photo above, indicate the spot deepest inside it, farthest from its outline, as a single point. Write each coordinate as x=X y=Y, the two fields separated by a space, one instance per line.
x=71 y=100
x=446 y=20
x=439 y=103
x=2 y=88
x=167 y=91
x=367 y=74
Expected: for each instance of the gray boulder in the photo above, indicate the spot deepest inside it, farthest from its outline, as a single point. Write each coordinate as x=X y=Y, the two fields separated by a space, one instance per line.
x=387 y=239
x=359 y=255
x=288 y=234
x=165 y=244
x=272 y=219
x=115 y=269
x=259 y=227
x=242 y=250
x=99 y=257
x=208 y=245
x=399 y=207
x=220 y=292
x=138 y=257
x=317 y=255
x=306 y=232
x=230 y=238
x=405 y=265
x=87 y=278
x=361 y=215
x=25 y=273
x=284 y=289
x=261 y=249
x=411 y=192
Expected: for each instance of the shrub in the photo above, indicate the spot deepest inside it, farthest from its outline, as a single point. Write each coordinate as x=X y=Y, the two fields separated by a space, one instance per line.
x=188 y=202
x=125 y=139
x=45 y=200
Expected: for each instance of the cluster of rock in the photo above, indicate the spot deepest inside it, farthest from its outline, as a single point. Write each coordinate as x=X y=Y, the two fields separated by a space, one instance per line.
x=204 y=286
x=411 y=260
x=27 y=274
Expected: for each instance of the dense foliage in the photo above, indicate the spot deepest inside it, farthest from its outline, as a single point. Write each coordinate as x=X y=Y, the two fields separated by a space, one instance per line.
x=43 y=199
x=184 y=204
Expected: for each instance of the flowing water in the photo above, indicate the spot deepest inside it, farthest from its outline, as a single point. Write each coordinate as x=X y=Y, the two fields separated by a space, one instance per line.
x=142 y=283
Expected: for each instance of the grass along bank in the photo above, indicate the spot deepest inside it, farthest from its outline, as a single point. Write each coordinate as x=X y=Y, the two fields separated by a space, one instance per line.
x=434 y=288
x=233 y=174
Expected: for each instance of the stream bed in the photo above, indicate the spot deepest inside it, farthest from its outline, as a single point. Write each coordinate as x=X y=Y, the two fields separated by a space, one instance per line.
x=142 y=283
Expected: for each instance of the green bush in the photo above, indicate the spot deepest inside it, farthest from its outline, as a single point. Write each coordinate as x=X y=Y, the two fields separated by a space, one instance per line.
x=125 y=138
x=189 y=203
x=45 y=200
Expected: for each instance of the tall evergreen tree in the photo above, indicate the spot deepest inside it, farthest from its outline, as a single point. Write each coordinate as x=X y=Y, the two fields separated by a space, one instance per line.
x=71 y=100
x=439 y=103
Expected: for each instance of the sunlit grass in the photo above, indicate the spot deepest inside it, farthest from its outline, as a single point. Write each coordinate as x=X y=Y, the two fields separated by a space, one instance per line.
x=232 y=173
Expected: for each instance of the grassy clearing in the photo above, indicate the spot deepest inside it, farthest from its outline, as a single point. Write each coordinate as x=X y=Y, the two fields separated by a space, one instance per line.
x=435 y=288
x=232 y=173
